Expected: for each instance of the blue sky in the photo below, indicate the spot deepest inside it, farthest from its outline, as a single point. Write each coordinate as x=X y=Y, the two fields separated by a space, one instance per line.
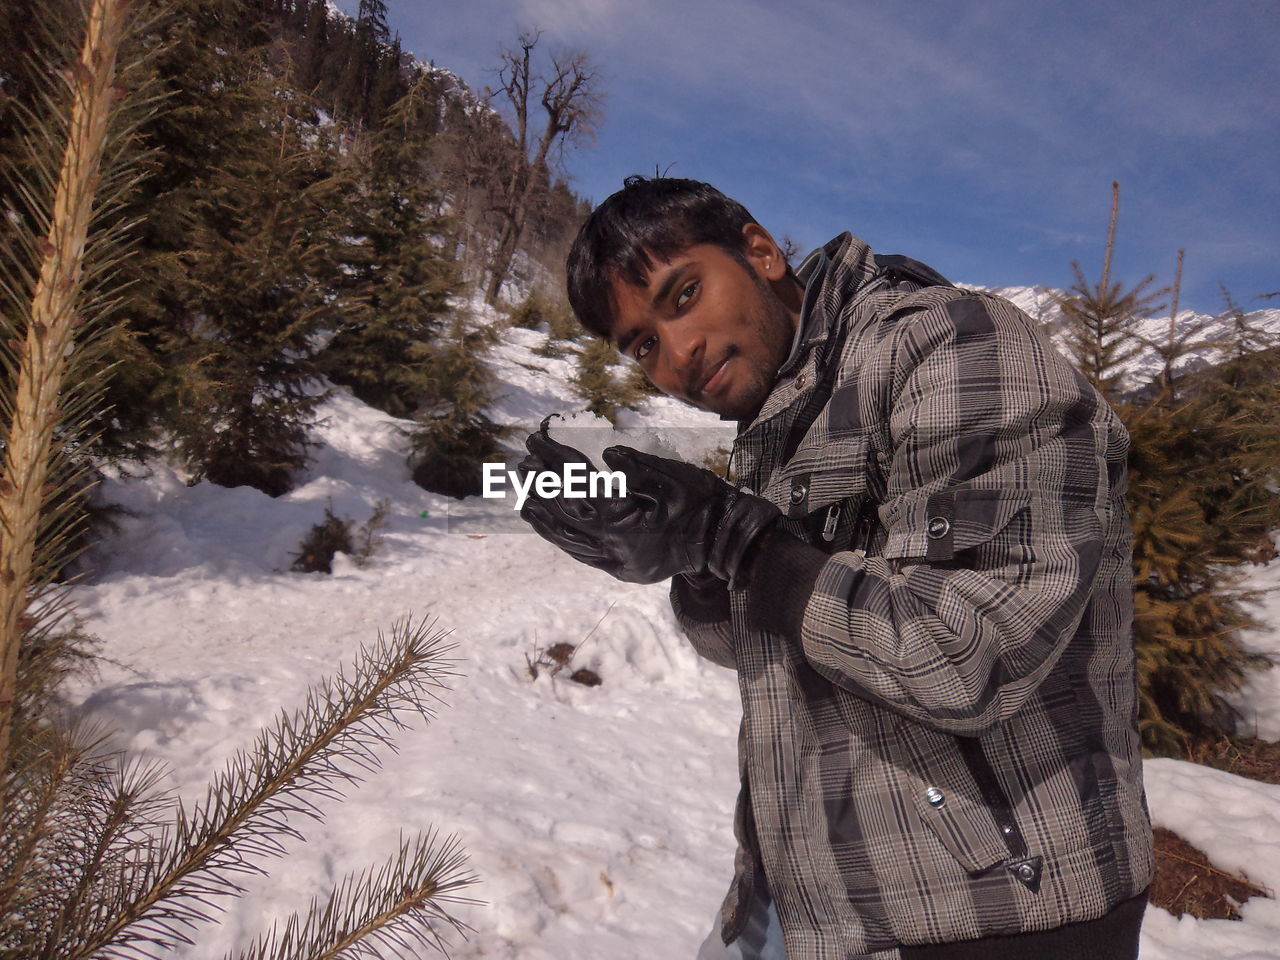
x=981 y=138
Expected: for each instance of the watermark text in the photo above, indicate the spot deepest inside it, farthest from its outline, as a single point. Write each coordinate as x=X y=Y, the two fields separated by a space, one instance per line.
x=575 y=481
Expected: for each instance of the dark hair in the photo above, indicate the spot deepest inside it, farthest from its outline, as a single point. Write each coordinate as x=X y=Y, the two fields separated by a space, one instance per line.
x=648 y=218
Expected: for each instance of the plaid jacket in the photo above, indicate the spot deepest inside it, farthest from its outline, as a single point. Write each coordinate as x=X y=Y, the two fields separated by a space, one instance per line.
x=939 y=733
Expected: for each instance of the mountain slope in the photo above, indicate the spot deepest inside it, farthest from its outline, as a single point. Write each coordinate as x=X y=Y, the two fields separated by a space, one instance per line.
x=598 y=818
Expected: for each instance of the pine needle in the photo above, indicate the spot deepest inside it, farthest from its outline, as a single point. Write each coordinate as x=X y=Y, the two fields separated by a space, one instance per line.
x=41 y=359
x=251 y=806
x=379 y=914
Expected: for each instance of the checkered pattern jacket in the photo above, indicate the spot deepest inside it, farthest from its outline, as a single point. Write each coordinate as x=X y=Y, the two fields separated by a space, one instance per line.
x=933 y=646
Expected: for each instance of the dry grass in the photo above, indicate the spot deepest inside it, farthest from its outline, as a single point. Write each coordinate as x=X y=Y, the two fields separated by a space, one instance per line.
x=1186 y=882
x=1243 y=756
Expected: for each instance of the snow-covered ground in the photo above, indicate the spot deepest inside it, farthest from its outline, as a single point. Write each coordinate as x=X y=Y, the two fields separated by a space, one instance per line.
x=598 y=819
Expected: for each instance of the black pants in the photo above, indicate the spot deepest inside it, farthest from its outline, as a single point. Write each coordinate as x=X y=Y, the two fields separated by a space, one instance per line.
x=1113 y=936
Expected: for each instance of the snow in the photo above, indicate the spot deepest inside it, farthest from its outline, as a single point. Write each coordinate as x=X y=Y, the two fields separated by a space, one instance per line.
x=1259 y=700
x=597 y=818
x=1234 y=821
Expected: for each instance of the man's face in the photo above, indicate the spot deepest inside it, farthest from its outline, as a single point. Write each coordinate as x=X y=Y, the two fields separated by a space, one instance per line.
x=708 y=330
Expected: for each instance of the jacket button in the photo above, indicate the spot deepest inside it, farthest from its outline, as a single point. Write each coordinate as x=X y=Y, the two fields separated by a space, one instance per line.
x=800 y=381
x=938 y=527
x=1026 y=871
x=935 y=797
x=799 y=489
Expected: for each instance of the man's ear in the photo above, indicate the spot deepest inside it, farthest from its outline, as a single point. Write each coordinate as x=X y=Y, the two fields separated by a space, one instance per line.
x=763 y=253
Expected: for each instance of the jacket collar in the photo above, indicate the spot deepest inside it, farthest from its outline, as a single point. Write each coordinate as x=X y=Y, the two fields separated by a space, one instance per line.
x=835 y=274
x=831 y=274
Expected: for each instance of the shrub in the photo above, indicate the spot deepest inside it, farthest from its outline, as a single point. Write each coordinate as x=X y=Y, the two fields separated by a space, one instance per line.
x=331 y=535
x=638 y=381
x=717 y=461
x=532 y=313
x=334 y=535
x=368 y=538
x=562 y=324
x=596 y=383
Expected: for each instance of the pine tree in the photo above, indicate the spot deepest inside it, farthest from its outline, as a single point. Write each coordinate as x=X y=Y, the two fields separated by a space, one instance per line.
x=1189 y=605
x=1188 y=490
x=373 y=14
x=399 y=275
x=1241 y=396
x=366 y=52
x=300 y=16
x=205 y=62
x=261 y=271
x=389 y=82
x=1100 y=318
x=596 y=383
x=1176 y=344
x=532 y=312
x=94 y=860
x=454 y=434
x=312 y=74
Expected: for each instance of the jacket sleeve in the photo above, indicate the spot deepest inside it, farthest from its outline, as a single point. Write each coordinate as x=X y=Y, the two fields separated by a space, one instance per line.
x=997 y=499
x=702 y=611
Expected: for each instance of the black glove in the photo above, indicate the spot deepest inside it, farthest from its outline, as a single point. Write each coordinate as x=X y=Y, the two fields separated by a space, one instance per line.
x=675 y=518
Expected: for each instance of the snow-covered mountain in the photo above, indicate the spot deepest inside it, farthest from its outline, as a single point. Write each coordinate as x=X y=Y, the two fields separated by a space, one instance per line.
x=1040 y=303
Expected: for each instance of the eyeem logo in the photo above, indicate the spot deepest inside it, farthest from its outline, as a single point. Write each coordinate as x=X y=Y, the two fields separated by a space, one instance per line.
x=575 y=482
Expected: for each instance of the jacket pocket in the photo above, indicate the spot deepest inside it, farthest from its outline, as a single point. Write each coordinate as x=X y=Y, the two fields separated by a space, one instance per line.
x=937 y=527
x=965 y=827
x=823 y=471
x=949 y=800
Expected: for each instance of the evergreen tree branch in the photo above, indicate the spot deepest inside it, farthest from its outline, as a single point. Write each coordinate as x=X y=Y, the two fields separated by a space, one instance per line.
x=1105 y=284
x=107 y=821
x=303 y=758
x=42 y=358
x=30 y=802
x=381 y=913
x=87 y=868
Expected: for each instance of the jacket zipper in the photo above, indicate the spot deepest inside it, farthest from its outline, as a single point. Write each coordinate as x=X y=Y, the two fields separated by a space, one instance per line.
x=874 y=283
x=833 y=520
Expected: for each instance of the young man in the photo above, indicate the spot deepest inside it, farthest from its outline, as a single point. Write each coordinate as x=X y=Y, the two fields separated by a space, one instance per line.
x=923 y=582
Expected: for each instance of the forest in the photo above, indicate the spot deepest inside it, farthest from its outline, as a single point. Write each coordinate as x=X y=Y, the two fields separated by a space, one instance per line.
x=308 y=197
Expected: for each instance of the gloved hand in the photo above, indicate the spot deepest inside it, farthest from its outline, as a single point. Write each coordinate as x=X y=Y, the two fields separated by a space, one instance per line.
x=675 y=518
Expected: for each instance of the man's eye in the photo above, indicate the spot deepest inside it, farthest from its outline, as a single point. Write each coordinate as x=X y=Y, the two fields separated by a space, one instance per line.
x=645 y=346
x=686 y=293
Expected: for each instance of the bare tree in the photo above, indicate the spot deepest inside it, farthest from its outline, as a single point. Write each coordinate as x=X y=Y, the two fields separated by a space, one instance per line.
x=570 y=109
x=791 y=249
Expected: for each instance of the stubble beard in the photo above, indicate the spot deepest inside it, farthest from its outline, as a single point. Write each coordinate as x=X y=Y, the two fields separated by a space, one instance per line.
x=772 y=325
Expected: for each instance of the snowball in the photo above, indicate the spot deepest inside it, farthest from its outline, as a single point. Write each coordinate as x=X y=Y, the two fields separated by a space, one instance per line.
x=591 y=435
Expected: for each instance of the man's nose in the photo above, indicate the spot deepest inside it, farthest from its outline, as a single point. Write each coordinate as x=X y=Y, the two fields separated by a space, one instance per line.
x=686 y=348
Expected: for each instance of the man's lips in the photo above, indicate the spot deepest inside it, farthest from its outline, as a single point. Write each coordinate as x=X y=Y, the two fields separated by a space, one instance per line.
x=716 y=378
